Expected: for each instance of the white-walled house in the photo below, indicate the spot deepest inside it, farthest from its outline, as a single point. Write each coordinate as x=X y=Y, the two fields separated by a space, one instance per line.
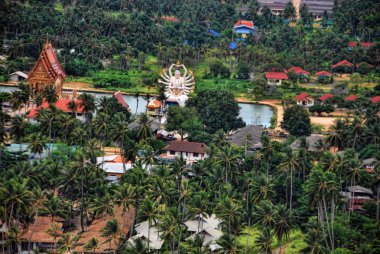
x=191 y=152
x=18 y=76
x=61 y=104
x=275 y=78
x=304 y=100
x=113 y=165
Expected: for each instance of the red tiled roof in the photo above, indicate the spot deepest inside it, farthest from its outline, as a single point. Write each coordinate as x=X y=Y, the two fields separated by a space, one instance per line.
x=170 y=18
x=244 y=23
x=351 y=97
x=184 y=146
x=326 y=96
x=119 y=96
x=342 y=63
x=154 y=104
x=375 y=99
x=61 y=104
x=302 y=96
x=298 y=70
x=276 y=75
x=323 y=73
x=363 y=44
x=37 y=232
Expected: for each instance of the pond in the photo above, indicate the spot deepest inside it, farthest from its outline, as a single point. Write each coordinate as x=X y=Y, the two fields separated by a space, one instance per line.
x=252 y=114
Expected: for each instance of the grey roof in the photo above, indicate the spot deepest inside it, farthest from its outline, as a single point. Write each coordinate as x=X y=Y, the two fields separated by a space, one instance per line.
x=361 y=189
x=254 y=131
x=369 y=162
x=20 y=73
x=312 y=142
x=154 y=124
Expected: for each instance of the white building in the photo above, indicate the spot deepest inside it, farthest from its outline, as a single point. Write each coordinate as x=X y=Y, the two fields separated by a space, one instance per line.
x=144 y=233
x=113 y=165
x=208 y=227
x=305 y=100
x=191 y=152
x=275 y=78
x=18 y=76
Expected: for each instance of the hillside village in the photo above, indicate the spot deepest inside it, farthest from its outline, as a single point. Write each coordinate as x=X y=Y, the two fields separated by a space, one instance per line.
x=192 y=127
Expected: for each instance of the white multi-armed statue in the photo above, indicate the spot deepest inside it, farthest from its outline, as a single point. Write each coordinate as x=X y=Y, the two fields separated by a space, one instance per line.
x=177 y=86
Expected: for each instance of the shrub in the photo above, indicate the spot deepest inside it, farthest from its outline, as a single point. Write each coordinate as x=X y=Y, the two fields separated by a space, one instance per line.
x=115 y=79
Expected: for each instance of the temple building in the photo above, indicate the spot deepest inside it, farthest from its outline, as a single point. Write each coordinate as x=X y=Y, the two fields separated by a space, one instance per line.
x=46 y=71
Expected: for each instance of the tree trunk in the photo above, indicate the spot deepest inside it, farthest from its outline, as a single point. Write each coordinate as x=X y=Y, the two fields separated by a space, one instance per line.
x=377 y=203
x=291 y=190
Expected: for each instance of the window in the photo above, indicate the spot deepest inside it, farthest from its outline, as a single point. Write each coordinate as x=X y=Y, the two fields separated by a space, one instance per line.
x=195 y=154
x=172 y=152
x=79 y=114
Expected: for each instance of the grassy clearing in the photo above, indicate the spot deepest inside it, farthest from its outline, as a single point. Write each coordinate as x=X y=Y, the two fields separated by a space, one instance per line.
x=295 y=244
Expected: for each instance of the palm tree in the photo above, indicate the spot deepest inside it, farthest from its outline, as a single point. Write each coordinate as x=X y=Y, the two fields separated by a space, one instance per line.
x=55 y=207
x=38 y=143
x=283 y=224
x=101 y=206
x=18 y=126
x=230 y=211
x=112 y=232
x=16 y=198
x=101 y=126
x=144 y=131
x=105 y=104
x=149 y=210
x=54 y=231
x=228 y=160
x=264 y=241
x=50 y=94
x=119 y=132
x=337 y=136
x=48 y=118
x=92 y=244
x=228 y=242
x=87 y=101
x=14 y=236
x=169 y=228
x=290 y=165
x=126 y=197
x=137 y=96
x=67 y=243
x=265 y=215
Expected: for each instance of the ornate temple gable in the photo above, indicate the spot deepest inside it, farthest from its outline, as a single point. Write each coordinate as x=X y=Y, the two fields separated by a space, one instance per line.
x=46 y=71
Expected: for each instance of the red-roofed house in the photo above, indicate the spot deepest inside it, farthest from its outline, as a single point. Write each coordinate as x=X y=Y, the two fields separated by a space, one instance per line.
x=375 y=99
x=304 y=100
x=325 y=97
x=275 y=78
x=351 y=97
x=323 y=74
x=191 y=152
x=154 y=107
x=343 y=63
x=170 y=18
x=244 y=28
x=114 y=165
x=119 y=97
x=363 y=44
x=298 y=70
x=61 y=104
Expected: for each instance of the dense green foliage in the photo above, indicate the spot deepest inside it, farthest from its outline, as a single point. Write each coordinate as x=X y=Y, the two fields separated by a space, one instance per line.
x=297 y=121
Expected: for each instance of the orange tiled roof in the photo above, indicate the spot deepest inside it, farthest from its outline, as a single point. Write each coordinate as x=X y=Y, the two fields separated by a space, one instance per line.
x=95 y=230
x=61 y=104
x=244 y=23
x=154 y=104
x=37 y=232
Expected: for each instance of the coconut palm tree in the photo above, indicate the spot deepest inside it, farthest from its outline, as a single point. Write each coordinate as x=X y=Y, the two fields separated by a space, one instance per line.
x=144 y=131
x=149 y=210
x=38 y=143
x=119 y=132
x=87 y=101
x=67 y=243
x=112 y=232
x=50 y=94
x=102 y=206
x=104 y=104
x=126 y=197
x=92 y=245
x=14 y=236
x=17 y=130
x=101 y=124
x=283 y=224
x=54 y=231
x=265 y=215
x=169 y=228
x=264 y=241
x=137 y=96
x=230 y=211
x=229 y=244
x=228 y=159
x=289 y=166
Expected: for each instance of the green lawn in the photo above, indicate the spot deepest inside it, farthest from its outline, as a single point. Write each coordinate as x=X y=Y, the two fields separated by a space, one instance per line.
x=295 y=244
